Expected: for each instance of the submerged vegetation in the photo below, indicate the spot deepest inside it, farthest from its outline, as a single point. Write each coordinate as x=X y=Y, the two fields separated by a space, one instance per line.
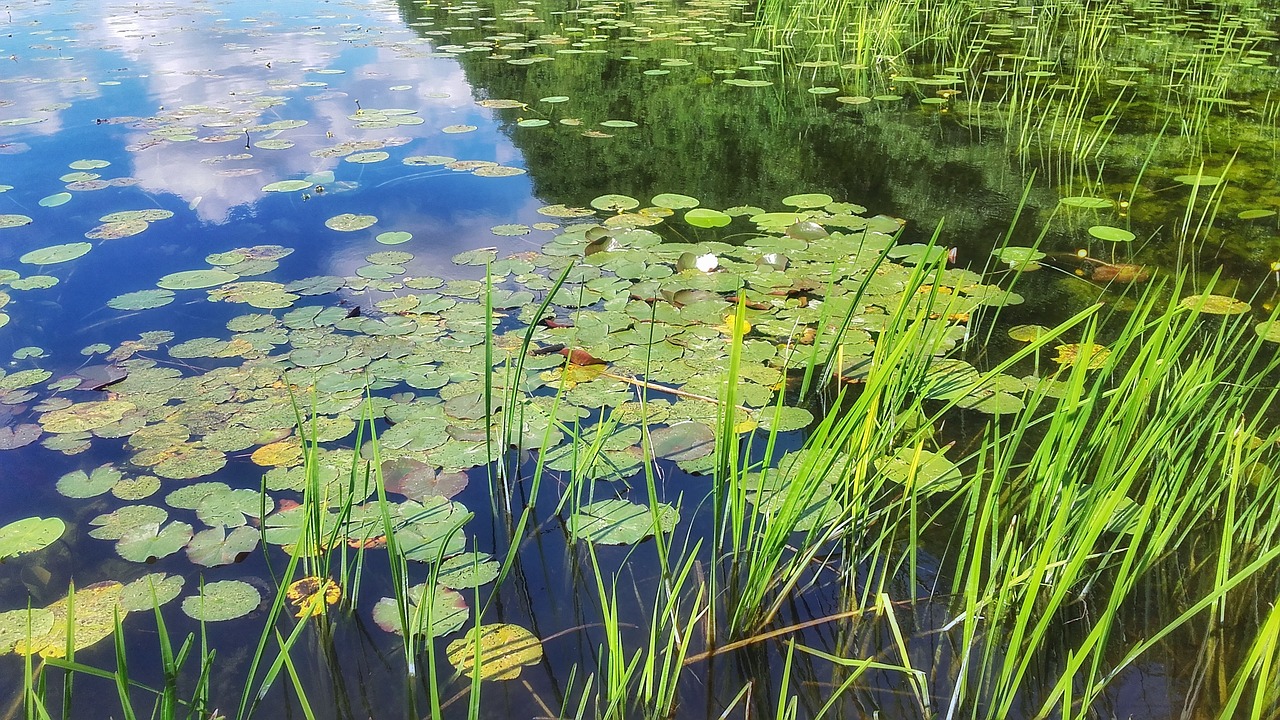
x=750 y=451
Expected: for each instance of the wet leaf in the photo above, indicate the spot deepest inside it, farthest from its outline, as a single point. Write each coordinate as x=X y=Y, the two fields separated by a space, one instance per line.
x=503 y=651
x=446 y=613
x=618 y=522
x=29 y=535
x=96 y=608
x=312 y=595
x=222 y=600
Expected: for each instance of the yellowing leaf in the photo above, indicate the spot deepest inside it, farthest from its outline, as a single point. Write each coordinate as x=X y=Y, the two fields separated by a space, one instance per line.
x=312 y=594
x=95 y=609
x=85 y=416
x=504 y=650
x=283 y=453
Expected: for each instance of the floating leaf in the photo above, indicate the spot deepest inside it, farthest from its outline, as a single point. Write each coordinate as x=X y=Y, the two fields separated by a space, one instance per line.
x=29 y=535
x=1092 y=203
x=394 y=237
x=503 y=651
x=808 y=200
x=1096 y=355
x=311 y=595
x=196 y=279
x=141 y=300
x=682 y=441
x=1111 y=234
x=468 y=570
x=150 y=591
x=928 y=472
x=446 y=613
x=55 y=199
x=350 y=222
x=218 y=546
x=615 y=202
x=222 y=600
x=96 y=609
x=287 y=186
x=618 y=522
x=707 y=218
x=1215 y=304
x=674 y=201
x=19 y=625
x=149 y=542
x=56 y=253
x=457 y=129
x=79 y=484
x=16 y=436
x=85 y=416
x=13 y=220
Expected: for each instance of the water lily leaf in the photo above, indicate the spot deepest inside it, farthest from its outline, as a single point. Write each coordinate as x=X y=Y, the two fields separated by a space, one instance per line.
x=278 y=454
x=564 y=211
x=79 y=484
x=312 y=595
x=707 y=218
x=13 y=220
x=218 y=546
x=149 y=542
x=85 y=416
x=148 y=215
x=196 y=279
x=222 y=600
x=114 y=525
x=1091 y=203
x=419 y=481
x=618 y=522
x=446 y=612
x=615 y=203
x=394 y=237
x=1111 y=234
x=141 y=300
x=503 y=651
x=150 y=591
x=287 y=186
x=1019 y=258
x=16 y=436
x=808 y=200
x=29 y=535
x=55 y=199
x=468 y=570
x=1096 y=355
x=20 y=625
x=1255 y=214
x=431 y=529
x=926 y=471
x=1027 y=333
x=674 y=201
x=617 y=123
x=1200 y=180
x=96 y=609
x=1215 y=304
x=458 y=129
x=681 y=441
x=784 y=419
x=350 y=222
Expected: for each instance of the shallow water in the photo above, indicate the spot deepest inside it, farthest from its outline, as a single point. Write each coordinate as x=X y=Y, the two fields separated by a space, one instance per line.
x=195 y=109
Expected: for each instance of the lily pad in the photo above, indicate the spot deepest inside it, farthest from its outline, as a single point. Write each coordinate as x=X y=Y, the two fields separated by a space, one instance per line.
x=141 y=300
x=707 y=218
x=96 y=609
x=615 y=203
x=687 y=440
x=503 y=650
x=1215 y=304
x=222 y=600
x=618 y=522
x=350 y=222
x=808 y=200
x=927 y=471
x=447 y=612
x=196 y=279
x=1111 y=234
x=29 y=535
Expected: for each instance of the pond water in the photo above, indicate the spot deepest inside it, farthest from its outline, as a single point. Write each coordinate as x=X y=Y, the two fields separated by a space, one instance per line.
x=238 y=234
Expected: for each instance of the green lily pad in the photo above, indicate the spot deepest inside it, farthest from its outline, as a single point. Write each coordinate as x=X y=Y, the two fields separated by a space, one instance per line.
x=681 y=441
x=56 y=253
x=286 y=186
x=55 y=199
x=618 y=522
x=96 y=609
x=220 y=546
x=707 y=218
x=1091 y=203
x=674 y=201
x=350 y=222
x=1111 y=234
x=468 y=570
x=448 y=612
x=196 y=279
x=13 y=220
x=784 y=419
x=615 y=203
x=222 y=600
x=150 y=591
x=79 y=484
x=927 y=471
x=394 y=237
x=808 y=200
x=149 y=542
x=29 y=535
x=141 y=300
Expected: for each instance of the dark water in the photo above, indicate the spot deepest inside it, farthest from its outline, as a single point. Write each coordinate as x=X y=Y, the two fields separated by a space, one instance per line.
x=179 y=100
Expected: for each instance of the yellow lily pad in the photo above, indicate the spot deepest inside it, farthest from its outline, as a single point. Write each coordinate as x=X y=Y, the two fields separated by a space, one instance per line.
x=504 y=650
